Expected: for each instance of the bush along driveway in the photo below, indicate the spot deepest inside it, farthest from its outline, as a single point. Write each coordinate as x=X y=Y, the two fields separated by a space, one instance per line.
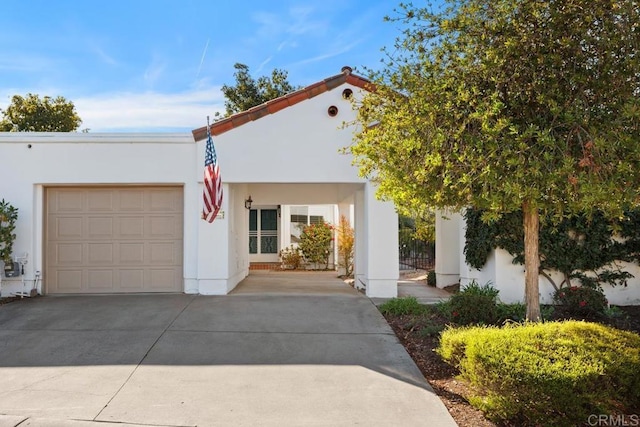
x=491 y=368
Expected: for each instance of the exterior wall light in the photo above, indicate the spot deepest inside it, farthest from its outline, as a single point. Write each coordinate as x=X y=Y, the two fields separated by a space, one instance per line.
x=247 y=203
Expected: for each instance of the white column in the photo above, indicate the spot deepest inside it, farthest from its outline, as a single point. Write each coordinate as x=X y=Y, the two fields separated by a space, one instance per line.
x=360 y=227
x=213 y=252
x=382 y=246
x=448 y=249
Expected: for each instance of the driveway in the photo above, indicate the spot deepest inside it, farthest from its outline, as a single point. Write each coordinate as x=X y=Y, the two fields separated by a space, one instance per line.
x=255 y=357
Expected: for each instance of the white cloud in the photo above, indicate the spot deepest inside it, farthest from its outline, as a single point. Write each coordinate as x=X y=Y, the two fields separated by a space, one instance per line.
x=155 y=70
x=339 y=50
x=263 y=64
x=101 y=54
x=149 y=111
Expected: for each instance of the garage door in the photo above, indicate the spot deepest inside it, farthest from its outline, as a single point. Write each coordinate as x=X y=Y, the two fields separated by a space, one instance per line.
x=113 y=239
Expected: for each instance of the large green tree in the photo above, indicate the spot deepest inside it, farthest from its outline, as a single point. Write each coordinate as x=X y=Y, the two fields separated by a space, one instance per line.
x=34 y=114
x=249 y=92
x=509 y=104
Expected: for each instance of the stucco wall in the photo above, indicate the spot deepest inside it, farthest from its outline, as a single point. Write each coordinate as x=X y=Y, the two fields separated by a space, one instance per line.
x=508 y=278
x=290 y=157
x=300 y=144
x=32 y=161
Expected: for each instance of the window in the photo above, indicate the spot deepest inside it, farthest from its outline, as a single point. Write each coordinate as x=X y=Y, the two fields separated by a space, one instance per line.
x=299 y=219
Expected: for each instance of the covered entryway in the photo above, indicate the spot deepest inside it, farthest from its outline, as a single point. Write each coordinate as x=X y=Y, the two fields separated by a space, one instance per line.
x=293 y=282
x=113 y=239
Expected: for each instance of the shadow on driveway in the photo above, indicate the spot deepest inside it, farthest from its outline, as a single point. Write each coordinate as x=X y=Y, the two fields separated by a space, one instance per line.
x=272 y=358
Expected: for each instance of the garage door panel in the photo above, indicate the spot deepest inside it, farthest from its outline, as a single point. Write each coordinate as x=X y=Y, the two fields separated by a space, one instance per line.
x=163 y=253
x=132 y=280
x=130 y=227
x=68 y=201
x=100 y=200
x=100 y=253
x=164 y=201
x=99 y=227
x=130 y=246
x=66 y=228
x=161 y=279
x=100 y=280
x=131 y=200
x=67 y=254
x=162 y=227
x=68 y=280
x=131 y=253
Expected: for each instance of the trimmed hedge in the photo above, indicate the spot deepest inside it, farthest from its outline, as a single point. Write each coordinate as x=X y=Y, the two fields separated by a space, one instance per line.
x=548 y=374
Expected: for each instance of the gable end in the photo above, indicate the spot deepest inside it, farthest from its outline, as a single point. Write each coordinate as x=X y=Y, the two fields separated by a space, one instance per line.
x=277 y=104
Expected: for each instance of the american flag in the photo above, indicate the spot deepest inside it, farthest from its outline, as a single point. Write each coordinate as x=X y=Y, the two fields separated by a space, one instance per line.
x=212 y=193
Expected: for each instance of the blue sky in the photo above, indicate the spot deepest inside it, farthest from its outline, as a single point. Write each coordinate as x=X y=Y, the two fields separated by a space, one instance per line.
x=140 y=65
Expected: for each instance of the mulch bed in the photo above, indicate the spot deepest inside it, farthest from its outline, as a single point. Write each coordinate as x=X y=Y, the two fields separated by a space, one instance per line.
x=7 y=300
x=421 y=345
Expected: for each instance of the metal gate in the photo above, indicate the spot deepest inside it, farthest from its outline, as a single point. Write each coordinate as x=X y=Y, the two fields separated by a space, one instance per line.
x=415 y=254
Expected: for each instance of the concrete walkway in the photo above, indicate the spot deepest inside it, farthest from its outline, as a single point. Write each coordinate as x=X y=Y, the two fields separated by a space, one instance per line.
x=264 y=355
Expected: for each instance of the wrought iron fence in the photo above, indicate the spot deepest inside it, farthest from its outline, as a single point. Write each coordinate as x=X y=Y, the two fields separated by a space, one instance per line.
x=415 y=254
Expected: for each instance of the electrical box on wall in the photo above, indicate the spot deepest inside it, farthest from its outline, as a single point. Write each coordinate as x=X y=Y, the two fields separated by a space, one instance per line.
x=12 y=269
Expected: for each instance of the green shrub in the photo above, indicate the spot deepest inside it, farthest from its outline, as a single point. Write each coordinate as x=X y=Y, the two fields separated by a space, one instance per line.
x=582 y=301
x=401 y=306
x=474 y=304
x=8 y=218
x=291 y=257
x=515 y=312
x=431 y=278
x=546 y=374
x=315 y=243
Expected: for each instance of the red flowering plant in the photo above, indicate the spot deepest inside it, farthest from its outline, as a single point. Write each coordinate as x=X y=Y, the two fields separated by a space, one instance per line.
x=315 y=243
x=581 y=301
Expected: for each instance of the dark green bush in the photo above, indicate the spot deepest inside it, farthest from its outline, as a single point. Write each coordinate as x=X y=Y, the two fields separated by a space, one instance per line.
x=515 y=312
x=582 y=301
x=474 y=304
x=546 y=374
x=431 y=278
x=401 y=306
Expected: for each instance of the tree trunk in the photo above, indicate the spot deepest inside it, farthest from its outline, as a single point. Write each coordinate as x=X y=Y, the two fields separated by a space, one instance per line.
x=531 y=261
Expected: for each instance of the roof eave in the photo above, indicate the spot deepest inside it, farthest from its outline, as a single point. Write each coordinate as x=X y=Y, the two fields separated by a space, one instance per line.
x=285 y=101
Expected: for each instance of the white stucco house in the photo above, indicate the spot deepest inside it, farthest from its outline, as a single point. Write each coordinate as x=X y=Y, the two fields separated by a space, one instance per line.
x=121 y=213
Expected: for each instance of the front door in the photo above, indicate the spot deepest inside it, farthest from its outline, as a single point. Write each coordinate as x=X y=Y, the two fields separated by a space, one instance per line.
x=263 y=235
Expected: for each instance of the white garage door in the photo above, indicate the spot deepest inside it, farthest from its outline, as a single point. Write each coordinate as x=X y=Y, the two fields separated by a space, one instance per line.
x=113 y=239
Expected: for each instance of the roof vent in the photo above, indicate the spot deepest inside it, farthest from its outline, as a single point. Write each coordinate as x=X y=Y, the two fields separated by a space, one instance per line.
x=346 y=69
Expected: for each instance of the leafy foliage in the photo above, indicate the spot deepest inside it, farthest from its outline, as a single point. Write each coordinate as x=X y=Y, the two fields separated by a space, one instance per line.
x=346 y=244
x=249 y=92
x=583 y=248
x=505 y=105
x=34 y=114
x=8 y=218
x=291 y=257
x=315 y=242
x=431 y=278
x=583 y=301
x=474 y=304
x=402 y=306
x=547 y=374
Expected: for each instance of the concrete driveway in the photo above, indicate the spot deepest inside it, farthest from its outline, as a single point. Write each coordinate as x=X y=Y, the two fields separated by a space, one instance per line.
x=268 y=354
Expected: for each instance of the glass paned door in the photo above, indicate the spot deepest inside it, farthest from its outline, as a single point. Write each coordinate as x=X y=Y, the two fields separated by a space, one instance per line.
x=263 y=231
x=253 y=231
